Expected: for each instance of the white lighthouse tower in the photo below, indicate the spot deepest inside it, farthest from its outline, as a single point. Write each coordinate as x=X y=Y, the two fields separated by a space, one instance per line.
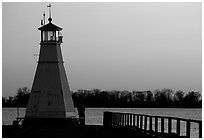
x=50 y=99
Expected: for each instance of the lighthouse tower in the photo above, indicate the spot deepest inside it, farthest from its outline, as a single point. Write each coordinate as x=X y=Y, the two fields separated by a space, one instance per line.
x=50 y=99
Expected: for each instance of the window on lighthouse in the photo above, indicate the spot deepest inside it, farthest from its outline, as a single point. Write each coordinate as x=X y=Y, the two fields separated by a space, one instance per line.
x=49 y=36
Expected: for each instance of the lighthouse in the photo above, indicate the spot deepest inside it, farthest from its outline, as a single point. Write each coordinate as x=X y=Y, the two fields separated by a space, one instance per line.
x=50 y=100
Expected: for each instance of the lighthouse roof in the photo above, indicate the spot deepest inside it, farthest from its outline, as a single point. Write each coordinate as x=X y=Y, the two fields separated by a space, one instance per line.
x=50 y=27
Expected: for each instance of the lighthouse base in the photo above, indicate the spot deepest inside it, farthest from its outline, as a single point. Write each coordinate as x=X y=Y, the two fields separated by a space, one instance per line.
x=50 y=121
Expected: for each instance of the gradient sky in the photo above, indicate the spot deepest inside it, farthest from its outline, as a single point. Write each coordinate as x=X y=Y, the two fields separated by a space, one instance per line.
x=110 y=46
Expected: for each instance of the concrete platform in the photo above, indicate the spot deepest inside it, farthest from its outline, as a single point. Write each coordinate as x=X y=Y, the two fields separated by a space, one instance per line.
x=86 y=131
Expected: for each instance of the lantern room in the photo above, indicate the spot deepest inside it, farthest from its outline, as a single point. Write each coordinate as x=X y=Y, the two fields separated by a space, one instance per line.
x=50 y=32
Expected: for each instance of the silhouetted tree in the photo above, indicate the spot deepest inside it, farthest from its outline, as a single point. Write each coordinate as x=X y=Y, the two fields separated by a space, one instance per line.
x=4 y=100
x=178 y=98
x=149 y=97
x=114 y=98
x=168 y=94
x=163 y=98
x=192 y=99
x=20 y=100
x=179 y=95
x=22 y=97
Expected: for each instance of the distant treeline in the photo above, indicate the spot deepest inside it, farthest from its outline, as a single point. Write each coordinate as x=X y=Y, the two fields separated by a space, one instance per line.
x=165 y=98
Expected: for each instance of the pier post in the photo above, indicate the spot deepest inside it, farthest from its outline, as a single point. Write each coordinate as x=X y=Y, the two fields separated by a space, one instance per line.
x=145 y=123
x=131 y=120
x=123 y=120
x=134 y=121
x=107 y=119
x=113 y=120
x=188 y=128
x=156 y=124
x=169 y=125
x=117 y=120
x=150 y=122
x=178 y=127
x=141 y=121
x=200 y=129
x=138 y=119
x=128 y=120
x=120 y=117
x=162 y=125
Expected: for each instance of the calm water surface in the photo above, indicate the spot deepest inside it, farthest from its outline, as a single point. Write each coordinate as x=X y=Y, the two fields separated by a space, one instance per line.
x=95 y=115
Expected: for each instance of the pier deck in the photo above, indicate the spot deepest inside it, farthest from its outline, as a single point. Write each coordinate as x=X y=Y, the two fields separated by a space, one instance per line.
x=86 y=131
x=115 y=125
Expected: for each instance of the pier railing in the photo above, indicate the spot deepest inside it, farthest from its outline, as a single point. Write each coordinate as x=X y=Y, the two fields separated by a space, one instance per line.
x=158 y=126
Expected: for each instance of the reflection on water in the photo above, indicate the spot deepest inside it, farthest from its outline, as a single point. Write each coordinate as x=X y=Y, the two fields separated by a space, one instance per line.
x=95 y=115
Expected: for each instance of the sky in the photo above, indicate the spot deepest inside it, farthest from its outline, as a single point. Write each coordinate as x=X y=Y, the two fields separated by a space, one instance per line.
x=109 y=46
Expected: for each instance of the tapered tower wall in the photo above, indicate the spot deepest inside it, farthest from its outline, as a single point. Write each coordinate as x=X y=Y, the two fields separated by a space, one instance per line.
x=50 y=94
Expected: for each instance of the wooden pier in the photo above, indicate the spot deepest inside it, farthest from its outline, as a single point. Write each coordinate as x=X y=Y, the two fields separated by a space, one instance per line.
x=115 y=125
x=151 y=125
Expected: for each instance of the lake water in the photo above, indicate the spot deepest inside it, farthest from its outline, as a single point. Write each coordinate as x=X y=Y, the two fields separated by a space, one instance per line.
x=95 y=115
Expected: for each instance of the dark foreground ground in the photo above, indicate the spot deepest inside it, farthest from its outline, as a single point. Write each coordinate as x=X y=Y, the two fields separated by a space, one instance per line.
x=87 y=131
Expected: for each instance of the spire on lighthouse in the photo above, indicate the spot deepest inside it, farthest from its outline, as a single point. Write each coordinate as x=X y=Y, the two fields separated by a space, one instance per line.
x=50 y=18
